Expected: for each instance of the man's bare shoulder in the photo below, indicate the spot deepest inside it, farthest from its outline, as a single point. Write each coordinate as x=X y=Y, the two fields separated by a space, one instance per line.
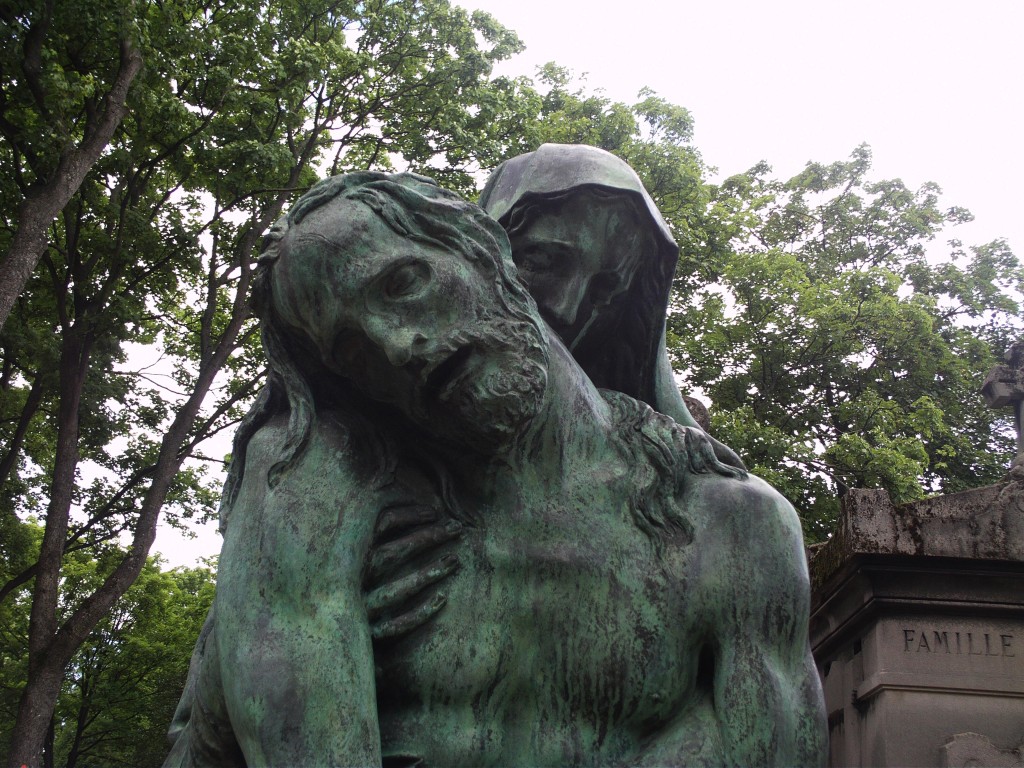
x=745 y=504
x=756 y=538
x=304 y=476
x=332 y=441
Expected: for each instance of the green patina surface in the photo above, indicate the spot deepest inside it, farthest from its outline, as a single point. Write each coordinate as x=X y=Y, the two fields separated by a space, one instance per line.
x=444 y=544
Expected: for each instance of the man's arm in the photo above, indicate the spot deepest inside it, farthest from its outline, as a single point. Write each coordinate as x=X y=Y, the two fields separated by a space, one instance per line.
x=292 y=633
x=767 y=695
x=201 y=734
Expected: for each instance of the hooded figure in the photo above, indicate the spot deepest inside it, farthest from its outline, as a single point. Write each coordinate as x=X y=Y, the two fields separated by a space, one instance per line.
x=598 y=258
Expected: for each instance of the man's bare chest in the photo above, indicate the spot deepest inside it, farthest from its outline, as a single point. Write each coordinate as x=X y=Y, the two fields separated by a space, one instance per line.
x=564 y=619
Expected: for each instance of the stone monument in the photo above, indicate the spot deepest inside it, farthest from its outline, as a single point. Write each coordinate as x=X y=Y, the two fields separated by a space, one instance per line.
x=603 y=590
x=918 y=621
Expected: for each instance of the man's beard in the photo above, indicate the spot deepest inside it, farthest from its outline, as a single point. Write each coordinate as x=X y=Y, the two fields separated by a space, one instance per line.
x=496 y=397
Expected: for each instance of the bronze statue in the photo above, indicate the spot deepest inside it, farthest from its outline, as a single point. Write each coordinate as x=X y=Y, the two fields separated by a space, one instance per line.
x=624 y=598
x=598 y=259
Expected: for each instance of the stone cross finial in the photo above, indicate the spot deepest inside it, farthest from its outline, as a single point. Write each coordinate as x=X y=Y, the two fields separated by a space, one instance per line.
x=1005 y=386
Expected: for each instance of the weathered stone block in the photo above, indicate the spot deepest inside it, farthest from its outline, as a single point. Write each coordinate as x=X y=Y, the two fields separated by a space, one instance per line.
x=918 y=628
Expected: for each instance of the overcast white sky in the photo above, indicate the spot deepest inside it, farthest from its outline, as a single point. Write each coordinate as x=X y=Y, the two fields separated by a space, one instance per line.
x=934 y=87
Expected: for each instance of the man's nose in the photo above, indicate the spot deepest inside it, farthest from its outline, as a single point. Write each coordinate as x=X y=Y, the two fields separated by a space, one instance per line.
x=399 y=343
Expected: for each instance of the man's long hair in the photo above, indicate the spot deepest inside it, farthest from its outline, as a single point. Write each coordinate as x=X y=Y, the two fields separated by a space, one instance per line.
x=414 y=207
x=663 y=456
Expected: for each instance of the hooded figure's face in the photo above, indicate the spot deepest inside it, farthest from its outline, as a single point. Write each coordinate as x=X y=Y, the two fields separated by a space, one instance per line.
x=577 y=255
x=619 y=297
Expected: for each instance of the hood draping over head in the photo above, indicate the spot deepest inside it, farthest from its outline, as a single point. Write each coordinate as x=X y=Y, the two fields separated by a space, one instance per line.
x=629 y=356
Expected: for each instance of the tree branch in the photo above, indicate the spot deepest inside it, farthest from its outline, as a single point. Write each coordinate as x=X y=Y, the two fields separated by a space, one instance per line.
x=45 y=201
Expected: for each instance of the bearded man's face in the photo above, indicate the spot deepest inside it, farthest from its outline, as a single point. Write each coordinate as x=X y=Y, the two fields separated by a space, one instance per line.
x=411 y=324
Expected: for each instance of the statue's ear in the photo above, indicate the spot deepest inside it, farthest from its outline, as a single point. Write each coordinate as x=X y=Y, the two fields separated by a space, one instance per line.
x=272 y=239
x=270 y=252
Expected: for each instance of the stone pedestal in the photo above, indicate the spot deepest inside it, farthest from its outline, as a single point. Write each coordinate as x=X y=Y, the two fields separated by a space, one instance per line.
x=917 y=627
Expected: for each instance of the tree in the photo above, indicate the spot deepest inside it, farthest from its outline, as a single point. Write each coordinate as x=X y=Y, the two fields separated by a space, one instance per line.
x=124 y=682
x=238 y=106
x=63 y=93
x=839 y=351
x=122 y=686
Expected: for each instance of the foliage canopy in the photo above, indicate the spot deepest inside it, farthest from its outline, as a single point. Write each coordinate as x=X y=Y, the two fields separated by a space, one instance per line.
x=840 y=347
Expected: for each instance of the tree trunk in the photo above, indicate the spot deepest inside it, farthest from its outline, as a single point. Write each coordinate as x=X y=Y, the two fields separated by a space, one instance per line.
x=39 y=696
x=43 y=203
x=51 y=733
x=50 y=648
x=32 y=402
x=81 y=723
